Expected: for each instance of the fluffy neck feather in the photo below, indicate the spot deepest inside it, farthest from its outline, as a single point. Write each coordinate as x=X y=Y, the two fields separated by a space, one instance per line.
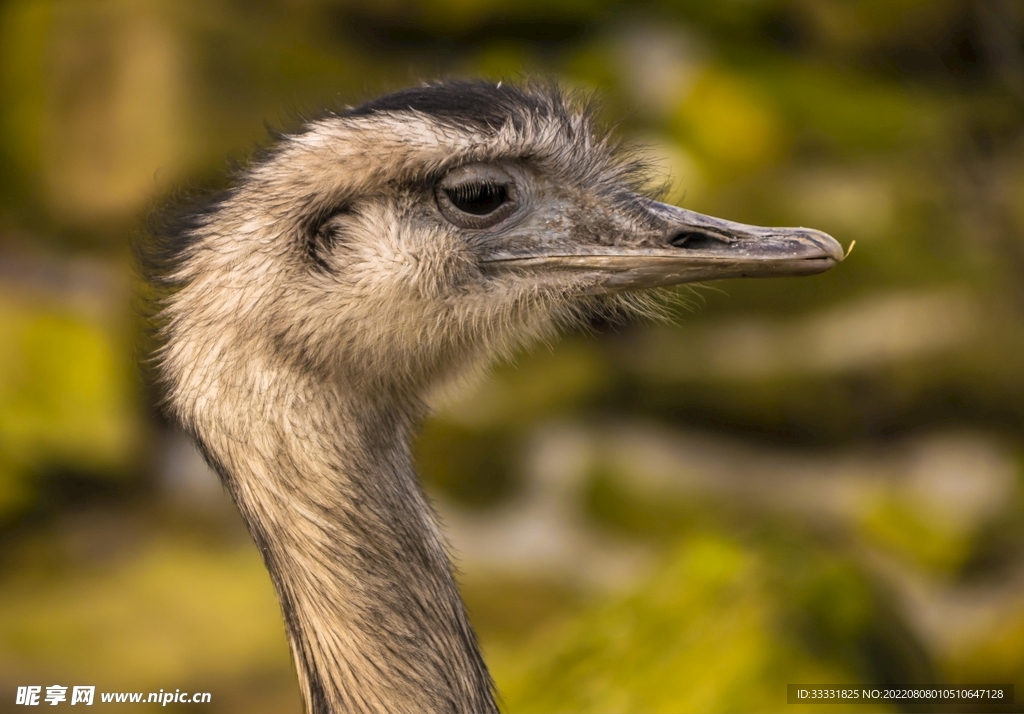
x=326 y=484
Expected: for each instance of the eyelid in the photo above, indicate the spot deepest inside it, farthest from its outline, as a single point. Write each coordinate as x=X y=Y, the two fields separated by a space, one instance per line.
x=476 y=173
x=462 y=180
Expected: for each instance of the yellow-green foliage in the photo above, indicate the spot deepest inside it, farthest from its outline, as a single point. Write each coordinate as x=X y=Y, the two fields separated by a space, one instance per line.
x=66 y=396
x=902 y=526
x=711 y=631
x=166 y=612
x=997 y=656
x=730 y=124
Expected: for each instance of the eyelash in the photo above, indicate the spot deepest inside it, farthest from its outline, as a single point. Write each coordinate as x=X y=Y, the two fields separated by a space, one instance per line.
x=471 y=190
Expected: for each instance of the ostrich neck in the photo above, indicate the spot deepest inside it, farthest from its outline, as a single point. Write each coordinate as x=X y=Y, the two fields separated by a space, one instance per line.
x=326 y=485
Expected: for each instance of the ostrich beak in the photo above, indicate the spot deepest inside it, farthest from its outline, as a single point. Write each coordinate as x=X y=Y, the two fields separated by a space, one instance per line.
x=681 y=246
x=693 y=247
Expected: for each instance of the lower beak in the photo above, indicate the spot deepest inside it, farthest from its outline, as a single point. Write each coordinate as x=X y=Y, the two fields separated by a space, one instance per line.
x=689 y=247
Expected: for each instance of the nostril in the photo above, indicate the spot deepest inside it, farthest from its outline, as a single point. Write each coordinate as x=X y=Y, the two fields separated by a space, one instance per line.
x=695 y=240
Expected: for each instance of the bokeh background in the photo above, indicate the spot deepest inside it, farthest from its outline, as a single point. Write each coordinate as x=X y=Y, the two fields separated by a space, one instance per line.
x=813 y=480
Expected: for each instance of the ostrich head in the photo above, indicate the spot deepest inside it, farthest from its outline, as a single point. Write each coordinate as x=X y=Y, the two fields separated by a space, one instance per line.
x=361 y=262
x=388 y=245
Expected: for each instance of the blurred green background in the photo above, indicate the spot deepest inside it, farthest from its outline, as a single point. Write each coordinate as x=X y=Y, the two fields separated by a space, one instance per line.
x=814 y=480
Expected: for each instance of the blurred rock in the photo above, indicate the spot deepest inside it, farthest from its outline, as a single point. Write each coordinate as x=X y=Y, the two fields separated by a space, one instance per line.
x=857 y=335
x=543 y=532
x=185 y=476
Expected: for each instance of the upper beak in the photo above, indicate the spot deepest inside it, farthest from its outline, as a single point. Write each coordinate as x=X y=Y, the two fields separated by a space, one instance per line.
x=684 y=246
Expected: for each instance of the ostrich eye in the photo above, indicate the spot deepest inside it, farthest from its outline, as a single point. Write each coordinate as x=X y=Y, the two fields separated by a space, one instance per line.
x=476 y=196
x=477 y=199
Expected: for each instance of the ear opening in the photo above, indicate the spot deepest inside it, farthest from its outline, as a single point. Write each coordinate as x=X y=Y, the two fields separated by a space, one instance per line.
x=319 y=235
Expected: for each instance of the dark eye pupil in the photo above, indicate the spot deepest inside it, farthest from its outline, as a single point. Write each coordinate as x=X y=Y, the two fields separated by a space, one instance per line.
x=478 y=199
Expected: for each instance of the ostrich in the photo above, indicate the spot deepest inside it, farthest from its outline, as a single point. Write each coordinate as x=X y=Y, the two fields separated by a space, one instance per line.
x=363 y=262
